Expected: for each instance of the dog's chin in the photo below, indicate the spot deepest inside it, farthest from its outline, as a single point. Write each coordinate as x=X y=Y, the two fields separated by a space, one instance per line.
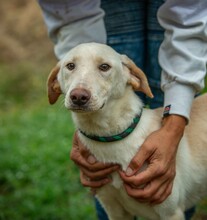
x=85 y=109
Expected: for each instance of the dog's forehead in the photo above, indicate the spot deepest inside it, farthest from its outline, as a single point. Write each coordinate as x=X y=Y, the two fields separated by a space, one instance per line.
x=94 y=51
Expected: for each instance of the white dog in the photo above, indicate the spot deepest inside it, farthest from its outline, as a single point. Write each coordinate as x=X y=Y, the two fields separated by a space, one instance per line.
x=98 y=86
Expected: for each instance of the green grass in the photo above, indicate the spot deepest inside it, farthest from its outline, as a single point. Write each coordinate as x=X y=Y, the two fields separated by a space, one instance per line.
x=37 y=179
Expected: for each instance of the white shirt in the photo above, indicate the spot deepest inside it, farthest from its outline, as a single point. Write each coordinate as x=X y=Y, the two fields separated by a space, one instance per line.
x=183 y=53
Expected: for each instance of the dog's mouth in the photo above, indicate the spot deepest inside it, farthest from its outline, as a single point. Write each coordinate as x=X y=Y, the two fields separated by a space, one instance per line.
x=85 y=109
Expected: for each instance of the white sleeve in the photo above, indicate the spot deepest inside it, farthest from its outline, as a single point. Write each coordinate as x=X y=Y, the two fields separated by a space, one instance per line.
x=73 y=22
x=183 y=53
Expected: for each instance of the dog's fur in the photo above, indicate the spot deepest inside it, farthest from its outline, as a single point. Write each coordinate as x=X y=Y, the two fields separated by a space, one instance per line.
x=107 y=106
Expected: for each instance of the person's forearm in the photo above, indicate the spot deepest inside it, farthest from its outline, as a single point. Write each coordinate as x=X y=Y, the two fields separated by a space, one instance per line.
x=175 y=124
x=183 y=53
x=73 y=22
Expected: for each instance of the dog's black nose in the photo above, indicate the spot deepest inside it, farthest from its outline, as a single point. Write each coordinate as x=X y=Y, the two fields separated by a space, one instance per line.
x=80 y=96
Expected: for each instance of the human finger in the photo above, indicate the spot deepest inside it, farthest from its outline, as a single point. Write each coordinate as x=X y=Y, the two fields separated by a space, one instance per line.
x=153 y=192
x=99 y=173
x=143 y=177
x=162 y=194
x=87 y=182
x=138 y=160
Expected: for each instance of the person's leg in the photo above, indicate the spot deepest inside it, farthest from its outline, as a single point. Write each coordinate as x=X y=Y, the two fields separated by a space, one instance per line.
x=125 y=27
x=132 y=29
x=101 y=214
x=155 y=35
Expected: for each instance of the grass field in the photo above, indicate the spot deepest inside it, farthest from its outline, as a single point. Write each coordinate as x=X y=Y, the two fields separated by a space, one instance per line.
x=37 y=179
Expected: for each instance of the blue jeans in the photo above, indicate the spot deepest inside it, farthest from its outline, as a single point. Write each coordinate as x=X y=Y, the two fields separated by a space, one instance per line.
x=132 y=29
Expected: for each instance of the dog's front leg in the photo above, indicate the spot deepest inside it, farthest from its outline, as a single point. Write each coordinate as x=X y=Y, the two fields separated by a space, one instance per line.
x=107 y=196
x=179 y=215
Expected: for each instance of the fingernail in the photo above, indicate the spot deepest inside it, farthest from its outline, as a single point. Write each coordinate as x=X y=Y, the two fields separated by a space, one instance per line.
x=107 y=180
x=129 y=171
x=91 y=159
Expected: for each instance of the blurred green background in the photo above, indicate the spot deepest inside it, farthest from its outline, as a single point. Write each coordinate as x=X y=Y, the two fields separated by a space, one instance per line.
x=37 y=179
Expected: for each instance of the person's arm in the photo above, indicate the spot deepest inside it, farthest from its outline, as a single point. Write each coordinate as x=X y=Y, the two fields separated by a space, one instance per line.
x=183 y=57
x=183 y=53
x=73 y=22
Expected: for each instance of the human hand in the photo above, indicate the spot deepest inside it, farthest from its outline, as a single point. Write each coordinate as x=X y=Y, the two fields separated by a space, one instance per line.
x=93 y=174
x=154 y=184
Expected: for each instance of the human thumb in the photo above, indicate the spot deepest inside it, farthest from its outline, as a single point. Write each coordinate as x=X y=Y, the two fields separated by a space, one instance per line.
x=91 y=159
x=137 y=162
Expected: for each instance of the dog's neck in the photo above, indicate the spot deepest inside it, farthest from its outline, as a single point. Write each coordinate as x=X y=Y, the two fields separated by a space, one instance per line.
x=118 y=136
x=116 y=116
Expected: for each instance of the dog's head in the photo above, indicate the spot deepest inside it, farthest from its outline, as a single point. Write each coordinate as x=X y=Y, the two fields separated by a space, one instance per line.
x=91 y=74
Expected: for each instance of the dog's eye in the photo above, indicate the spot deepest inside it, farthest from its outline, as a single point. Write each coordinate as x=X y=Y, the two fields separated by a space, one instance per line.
x=70 y=66
x=104 y=67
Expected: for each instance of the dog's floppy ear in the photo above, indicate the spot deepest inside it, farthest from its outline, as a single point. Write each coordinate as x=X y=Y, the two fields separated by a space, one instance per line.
x=53 y=86
x=137 y=79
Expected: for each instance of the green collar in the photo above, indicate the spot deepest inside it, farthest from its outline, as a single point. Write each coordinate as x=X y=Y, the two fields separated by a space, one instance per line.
x=116 y=137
